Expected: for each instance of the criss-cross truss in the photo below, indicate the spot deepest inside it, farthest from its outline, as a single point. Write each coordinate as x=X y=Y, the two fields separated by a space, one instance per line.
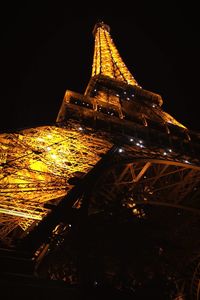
x=150 y=179
x=39 y=166
x=118 y=135
x=36 y=167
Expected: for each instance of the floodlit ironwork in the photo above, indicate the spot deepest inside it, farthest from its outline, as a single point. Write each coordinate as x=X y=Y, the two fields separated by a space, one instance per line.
x=36 y=169
x=106 y=60
x=151 y=180
x=155 y=159
x=37 y=163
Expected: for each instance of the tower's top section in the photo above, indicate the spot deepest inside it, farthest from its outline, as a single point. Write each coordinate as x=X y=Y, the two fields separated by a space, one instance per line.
x=102 y=25
x=107 y=61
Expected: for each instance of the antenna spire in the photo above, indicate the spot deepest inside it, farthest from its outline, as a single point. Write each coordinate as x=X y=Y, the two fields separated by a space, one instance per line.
x=107 y=60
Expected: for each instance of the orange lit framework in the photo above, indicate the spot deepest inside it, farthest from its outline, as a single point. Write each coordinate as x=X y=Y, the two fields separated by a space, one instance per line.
x=38 y=163
x=106 y=60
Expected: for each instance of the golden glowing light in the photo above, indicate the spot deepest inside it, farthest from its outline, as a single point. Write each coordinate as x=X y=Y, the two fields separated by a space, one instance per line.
x=169 y=119
x=107 y=60
x=37 y=166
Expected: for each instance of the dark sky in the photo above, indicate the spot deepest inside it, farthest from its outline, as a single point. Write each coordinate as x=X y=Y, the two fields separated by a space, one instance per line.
x=48 y=49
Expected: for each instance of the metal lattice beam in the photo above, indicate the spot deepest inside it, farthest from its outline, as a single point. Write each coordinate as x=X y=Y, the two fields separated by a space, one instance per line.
x=154 y=182
x=36 y=166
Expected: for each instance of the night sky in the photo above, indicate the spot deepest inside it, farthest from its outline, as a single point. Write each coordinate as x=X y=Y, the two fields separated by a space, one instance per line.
x=48 y=49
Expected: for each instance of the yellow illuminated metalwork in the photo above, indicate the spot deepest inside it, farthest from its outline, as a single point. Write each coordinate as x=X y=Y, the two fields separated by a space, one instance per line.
x=169 y=119
x=107 y=60
x=36 y=165
x=108 y=63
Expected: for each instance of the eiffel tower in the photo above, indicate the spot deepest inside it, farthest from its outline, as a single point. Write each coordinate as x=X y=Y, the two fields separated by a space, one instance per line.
x=113 y=147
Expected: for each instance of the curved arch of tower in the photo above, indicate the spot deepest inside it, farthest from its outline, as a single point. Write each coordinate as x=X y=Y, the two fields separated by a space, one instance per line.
x=114 y=136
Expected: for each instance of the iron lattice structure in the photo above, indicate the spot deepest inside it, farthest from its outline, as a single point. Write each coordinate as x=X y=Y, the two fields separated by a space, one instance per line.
x=37 y=165
x=155 y=158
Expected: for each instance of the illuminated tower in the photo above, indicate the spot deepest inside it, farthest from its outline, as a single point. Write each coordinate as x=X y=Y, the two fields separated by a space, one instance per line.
x=115 y=139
